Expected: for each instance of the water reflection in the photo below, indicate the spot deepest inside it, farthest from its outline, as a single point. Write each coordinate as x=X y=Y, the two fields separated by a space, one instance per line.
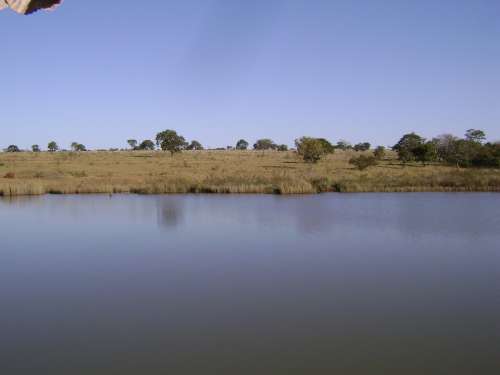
x=171 y=211
x=349 y=284
x=416 y=214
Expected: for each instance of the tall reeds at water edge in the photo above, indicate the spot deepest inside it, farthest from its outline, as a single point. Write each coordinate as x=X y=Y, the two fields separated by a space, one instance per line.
x=225 y=172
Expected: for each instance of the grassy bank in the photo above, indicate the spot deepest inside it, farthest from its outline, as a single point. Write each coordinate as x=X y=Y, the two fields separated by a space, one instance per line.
x=224 y=172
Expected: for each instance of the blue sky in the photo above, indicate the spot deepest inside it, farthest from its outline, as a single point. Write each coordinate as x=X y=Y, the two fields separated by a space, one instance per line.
x=220 y=70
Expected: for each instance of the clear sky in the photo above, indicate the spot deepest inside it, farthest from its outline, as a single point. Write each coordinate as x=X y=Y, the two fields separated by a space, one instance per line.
x=220 y=70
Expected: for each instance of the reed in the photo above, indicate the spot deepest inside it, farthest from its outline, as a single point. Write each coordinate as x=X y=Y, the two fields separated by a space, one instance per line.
x=224 y=172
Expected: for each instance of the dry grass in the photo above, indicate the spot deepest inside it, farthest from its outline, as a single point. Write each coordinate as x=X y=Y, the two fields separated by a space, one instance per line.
x=223 y=172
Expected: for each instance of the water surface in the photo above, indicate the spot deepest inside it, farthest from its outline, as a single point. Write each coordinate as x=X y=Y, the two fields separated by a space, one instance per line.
x=326 y=284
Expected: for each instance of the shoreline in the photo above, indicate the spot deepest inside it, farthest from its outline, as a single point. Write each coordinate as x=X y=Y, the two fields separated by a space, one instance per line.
x=401 y=191
x=30 y=190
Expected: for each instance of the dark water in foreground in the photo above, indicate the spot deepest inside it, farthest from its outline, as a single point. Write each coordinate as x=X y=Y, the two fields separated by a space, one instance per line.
x=328 y=284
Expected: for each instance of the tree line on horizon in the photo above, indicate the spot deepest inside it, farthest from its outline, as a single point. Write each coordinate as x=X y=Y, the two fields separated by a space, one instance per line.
x=470 y=151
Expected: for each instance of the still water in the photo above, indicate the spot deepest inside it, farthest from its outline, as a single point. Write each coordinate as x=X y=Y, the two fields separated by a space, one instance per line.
x=326 y=284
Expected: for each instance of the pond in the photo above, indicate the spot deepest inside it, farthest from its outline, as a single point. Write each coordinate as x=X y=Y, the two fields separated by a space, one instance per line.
x=250 y=284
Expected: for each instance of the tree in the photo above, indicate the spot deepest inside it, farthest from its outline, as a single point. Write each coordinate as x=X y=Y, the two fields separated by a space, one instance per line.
x=362 y=162
x=343 y=145
x=132 y=143
x=365 y=146
x=169 y=140
x=265 y=144
x=406 y=146
x=474 y=135
x=146 y=145
x=444 y=144
x=467 y=153
x=52 y=146
x=311 y=149
x=327 y=146
x=13 y=148
x=282 y=148
x=80 y=148
x=463 y=152
x=487 y=156
x=77 y=147
x=35 y=148
x=241 y=144
x=425 y=153
x=195 y=145
x=379 y=152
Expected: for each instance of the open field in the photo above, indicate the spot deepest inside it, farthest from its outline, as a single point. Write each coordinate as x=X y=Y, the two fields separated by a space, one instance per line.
x=224 y=172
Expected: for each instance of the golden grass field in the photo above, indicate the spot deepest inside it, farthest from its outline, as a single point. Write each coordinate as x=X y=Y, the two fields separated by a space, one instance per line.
x=224 y=172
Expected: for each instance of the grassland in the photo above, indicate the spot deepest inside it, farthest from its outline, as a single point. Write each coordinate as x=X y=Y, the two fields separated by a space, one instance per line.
x=224 y=172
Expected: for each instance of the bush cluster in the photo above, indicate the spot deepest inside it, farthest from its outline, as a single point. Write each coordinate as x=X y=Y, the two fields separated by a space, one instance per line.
x=470 y=151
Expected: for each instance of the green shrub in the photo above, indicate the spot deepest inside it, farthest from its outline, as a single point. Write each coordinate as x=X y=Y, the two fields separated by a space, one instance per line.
x=379 y=152
x=13 y=148
x=365 y=146
x=362 y=162
x=313 y=149
x=265 y=144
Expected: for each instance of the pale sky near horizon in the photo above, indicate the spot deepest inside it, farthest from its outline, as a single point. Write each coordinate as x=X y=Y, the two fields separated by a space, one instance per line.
x=221 y=70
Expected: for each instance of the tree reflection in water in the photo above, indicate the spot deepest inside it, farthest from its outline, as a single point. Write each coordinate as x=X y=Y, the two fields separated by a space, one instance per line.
x=170 y=211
